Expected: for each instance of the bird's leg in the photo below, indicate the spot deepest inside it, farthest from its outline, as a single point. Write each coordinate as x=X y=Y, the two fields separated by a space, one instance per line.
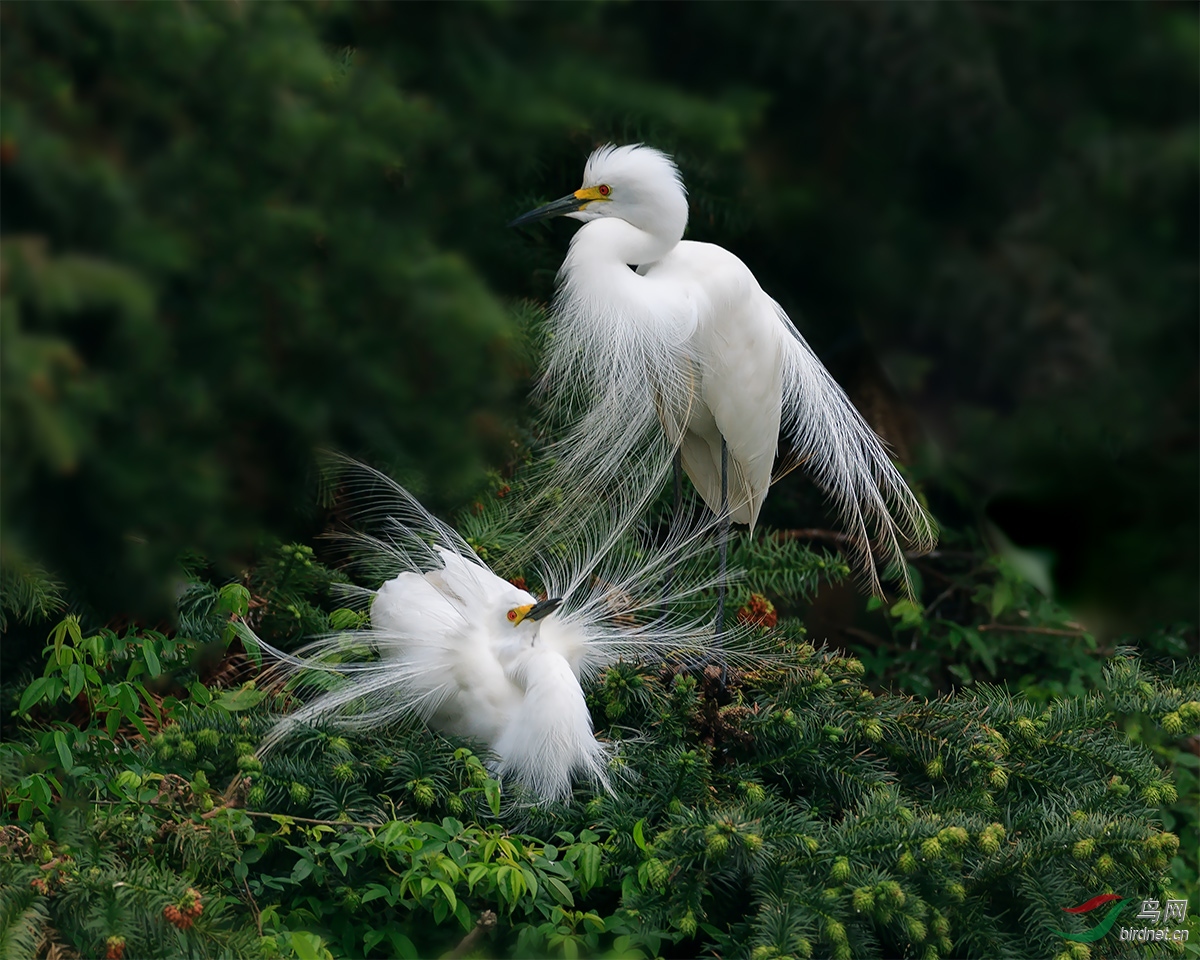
x=670 y=576
x=723 y=550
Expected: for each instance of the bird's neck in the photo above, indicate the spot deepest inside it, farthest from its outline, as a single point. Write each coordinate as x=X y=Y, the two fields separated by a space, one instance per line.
x=612 y=242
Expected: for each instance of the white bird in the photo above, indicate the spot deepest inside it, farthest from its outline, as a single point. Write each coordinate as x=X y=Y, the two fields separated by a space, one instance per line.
x=473 y=655
x=689 y=340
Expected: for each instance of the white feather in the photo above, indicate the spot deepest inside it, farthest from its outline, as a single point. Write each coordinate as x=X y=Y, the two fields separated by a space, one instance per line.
x=448 y=655
x=687 y=350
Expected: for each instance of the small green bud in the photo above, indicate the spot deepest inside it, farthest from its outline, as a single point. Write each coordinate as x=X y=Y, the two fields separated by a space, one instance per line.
x=764 y=952
x=187 y=749
x=1151 y=795
x=1168 y=792
x=243 y=747
x=804 y=947
x=1079 y=951
x=257 y=795
x=935 y=768
x=1190 y=711
x=657 y=873
x=905 y=815
x=954 y=837
x=835 y=931
x=864 y=899
x=687 y=924
x=249 y=763
x=956 y=892
x=840 y=870
x=1105 y=865
x=752 y=842
x=423 y=792
x=208 y=738
x=454 y=804
x=873 y=730
x=941 y=926
x=1083 y=849
x=907 y=862
x=299 y=793
x=892 y=892
x=998 y=778
x=810 y=844
x=716 y=844
x=931 y=849
x=1026 y=728
x=165 y=752
x=343 y=772
x=753 y=791
x=916 y=930
x=1172 y=723
x=855 y=667
x=339 y=744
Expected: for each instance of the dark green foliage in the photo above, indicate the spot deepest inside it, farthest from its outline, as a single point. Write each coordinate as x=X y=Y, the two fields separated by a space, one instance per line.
x=793 y=812
x=234 y=234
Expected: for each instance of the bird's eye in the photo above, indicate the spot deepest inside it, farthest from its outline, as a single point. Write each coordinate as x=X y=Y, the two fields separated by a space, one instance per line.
x=512 y=615
x=604 y=189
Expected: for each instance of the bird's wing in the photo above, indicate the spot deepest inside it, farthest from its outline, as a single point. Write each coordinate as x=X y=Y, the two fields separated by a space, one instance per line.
x=843 y=455
x=549 y=738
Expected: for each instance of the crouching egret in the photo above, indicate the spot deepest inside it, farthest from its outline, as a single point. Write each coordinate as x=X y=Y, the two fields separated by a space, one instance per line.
x=475 y=656
x=689 y=339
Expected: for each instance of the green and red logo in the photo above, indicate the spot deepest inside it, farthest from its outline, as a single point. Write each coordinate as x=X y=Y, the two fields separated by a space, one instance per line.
x=1103 y=926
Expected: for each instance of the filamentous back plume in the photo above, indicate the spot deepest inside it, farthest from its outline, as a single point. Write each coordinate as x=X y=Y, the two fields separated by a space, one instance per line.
x=687 y=353
x=474 y=655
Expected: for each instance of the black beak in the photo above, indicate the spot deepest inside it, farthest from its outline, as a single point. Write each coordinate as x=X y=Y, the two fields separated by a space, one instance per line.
x=568 y=204
x=543 y=609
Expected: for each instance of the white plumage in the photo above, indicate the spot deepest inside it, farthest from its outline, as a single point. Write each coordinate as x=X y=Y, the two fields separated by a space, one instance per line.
x=474 y=656
x=691 y=343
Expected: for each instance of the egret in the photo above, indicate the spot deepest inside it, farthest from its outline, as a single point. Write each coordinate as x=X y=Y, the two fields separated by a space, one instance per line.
x=685 y=356
x=474 y=655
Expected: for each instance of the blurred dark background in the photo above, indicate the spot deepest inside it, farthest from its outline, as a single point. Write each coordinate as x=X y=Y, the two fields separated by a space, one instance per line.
x=235 y=234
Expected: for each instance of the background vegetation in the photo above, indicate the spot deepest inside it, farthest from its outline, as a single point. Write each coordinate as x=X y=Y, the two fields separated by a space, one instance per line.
x=235 y=234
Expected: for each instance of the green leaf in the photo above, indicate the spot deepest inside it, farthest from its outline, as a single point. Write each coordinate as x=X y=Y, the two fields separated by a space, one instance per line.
x=33 y=693
x=75 y=680
x=151 y=656
x=301 y=870
x=638 y=836
x=491 y=790
x=1002 y=598
x=64 y=752
x=979 y=645
x=560 y=891
x=588 y=866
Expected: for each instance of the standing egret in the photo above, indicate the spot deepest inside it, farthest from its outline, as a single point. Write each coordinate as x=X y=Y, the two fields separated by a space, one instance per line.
x=475 y=656
x=689 y=339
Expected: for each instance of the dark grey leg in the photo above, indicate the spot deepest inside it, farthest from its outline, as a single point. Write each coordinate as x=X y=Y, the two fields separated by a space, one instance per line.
x=675 y=519
x=722 y=542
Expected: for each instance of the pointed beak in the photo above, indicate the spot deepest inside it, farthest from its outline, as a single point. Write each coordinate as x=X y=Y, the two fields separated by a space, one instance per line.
x=536 y=611
x=559 y=208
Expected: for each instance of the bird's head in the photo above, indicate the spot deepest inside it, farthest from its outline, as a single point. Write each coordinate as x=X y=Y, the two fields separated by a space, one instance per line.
x=532 y=612
x=634 y=183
